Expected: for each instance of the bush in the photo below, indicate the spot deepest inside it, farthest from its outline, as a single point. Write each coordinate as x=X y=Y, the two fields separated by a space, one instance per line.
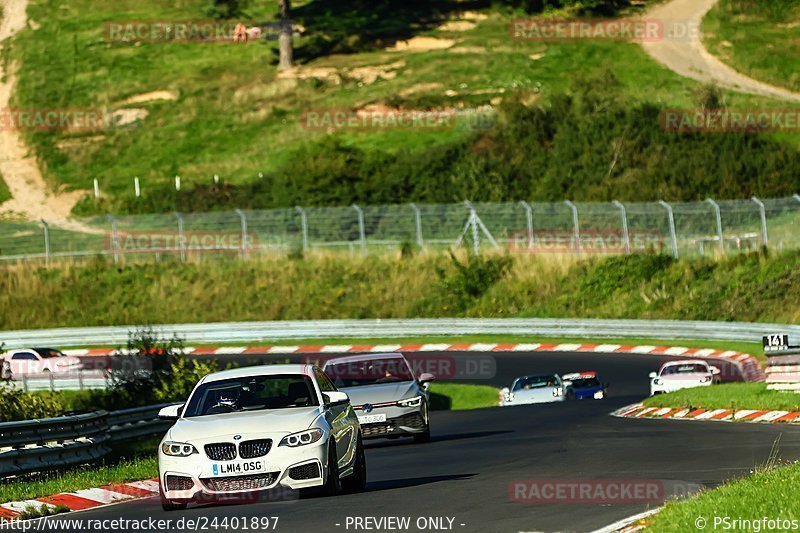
x=18 y=405
x=154 y=370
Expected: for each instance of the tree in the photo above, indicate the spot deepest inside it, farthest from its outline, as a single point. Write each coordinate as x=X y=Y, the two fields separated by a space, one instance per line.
x=286 y=60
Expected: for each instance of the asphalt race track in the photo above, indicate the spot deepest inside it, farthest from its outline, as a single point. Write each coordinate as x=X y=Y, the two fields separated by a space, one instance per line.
x=465 y=473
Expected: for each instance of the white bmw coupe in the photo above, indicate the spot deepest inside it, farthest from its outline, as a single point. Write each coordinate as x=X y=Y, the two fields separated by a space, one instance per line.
x=257 y=428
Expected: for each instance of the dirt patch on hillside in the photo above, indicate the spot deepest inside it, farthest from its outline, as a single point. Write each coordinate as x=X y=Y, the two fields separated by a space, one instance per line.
x=422 y=44
x=153 y=96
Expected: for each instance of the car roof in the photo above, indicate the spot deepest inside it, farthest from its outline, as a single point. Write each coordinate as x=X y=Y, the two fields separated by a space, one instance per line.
x=363 y=357
x=261 y=370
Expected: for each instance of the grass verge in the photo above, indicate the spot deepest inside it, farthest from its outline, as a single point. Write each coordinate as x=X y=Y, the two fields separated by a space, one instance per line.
x=728 y=396
x=756 y=287
x=458 y=397
x=769 y=492
x=133 y=462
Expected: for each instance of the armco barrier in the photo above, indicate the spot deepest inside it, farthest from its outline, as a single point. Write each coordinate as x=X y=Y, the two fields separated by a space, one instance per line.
x=245 y=332
x=35 y=445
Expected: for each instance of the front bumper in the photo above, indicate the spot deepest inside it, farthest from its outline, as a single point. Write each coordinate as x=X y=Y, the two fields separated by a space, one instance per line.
x=667 y=387
x=400 y=421
x=192 y=479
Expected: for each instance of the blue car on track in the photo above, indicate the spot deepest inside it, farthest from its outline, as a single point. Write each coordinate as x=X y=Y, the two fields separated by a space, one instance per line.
x=583 y=386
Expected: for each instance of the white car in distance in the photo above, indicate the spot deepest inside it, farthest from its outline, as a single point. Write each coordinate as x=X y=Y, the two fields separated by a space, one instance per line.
x=256 y=428
x=27 y=361
x=677 y=375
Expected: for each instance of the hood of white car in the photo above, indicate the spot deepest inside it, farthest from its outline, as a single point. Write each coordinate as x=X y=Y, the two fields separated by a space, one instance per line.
x=541 y=393
x=380 y=393
x=225 y=425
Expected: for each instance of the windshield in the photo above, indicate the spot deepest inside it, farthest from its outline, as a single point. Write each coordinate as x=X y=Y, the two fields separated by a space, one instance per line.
x=48 y=352
x=369 y=372
x=585 y=383
x=252 y=393
x=691 y=368
x=536 y=382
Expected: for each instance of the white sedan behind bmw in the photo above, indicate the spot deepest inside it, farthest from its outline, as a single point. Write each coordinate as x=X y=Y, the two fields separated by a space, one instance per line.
x=252 y=429
x=676 y=375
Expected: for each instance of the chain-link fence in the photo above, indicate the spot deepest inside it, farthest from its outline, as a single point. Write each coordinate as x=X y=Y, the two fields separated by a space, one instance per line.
x=679 y=229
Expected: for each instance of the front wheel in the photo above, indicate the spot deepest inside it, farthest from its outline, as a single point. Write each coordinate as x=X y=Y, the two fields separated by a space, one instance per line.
x=358 y=480
x=421 y=438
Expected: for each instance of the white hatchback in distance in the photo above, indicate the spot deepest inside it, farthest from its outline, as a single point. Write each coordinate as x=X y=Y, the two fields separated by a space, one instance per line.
x=253 y=429
x=677 y=375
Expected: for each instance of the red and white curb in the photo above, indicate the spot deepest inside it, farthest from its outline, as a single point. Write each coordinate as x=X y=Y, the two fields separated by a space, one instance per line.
x=747 y=364
x=85 y=499
x=723 y=415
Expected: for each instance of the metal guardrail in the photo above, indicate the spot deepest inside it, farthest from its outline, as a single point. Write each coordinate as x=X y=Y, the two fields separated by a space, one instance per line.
x=35 y=445
x=248 y=332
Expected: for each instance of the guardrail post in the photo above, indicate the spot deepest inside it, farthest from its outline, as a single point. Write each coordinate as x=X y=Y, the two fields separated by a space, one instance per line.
x=303 y=226
x=361 y=230
x=46 y=228
x=181 y=236
x=418 y=223
x=243 y=220
x=625 y=234
x=673 y=235
x=718 y=215
x=576 y=226
x=529 y=222
x=763 y=212
x=114 y=238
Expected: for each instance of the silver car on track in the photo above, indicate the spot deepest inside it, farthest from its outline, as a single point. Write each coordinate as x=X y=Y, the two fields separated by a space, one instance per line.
x=386 y=396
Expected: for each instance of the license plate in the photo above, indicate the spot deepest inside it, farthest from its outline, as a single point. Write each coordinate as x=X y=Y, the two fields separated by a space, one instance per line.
x=371 y=419
x=239 y=467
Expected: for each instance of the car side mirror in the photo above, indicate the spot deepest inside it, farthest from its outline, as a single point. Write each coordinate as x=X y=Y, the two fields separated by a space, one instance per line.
x=653 y=375
x=335 y=398
x=171 y=412
x=715 y=370
x=426 y=378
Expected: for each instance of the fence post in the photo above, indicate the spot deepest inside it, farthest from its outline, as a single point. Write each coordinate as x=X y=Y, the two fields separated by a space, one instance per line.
x=418 y=223
x=361 y=230
x=673 y=236
x=136 y=188
x=529 y=222
x=181 y=237
x=303 y=226
x=114 y=238
x=763 y=212
x=96 y=189
x=576 y=226
x=718 y=214
x=243 y=220
x=625 y=234
x=46 y=228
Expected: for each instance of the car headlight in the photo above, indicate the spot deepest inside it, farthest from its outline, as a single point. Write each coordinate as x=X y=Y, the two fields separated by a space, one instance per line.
x=598 y=395
x=177 y=449
x=303 y=438
x=410 y=402
x=657 y=381
x=705 y=379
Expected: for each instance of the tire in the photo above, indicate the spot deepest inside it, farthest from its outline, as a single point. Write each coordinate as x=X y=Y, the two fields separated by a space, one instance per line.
x=570 y=395
x=422 y=438
x=169 y=505
x=358 y=480
x=333 y=484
